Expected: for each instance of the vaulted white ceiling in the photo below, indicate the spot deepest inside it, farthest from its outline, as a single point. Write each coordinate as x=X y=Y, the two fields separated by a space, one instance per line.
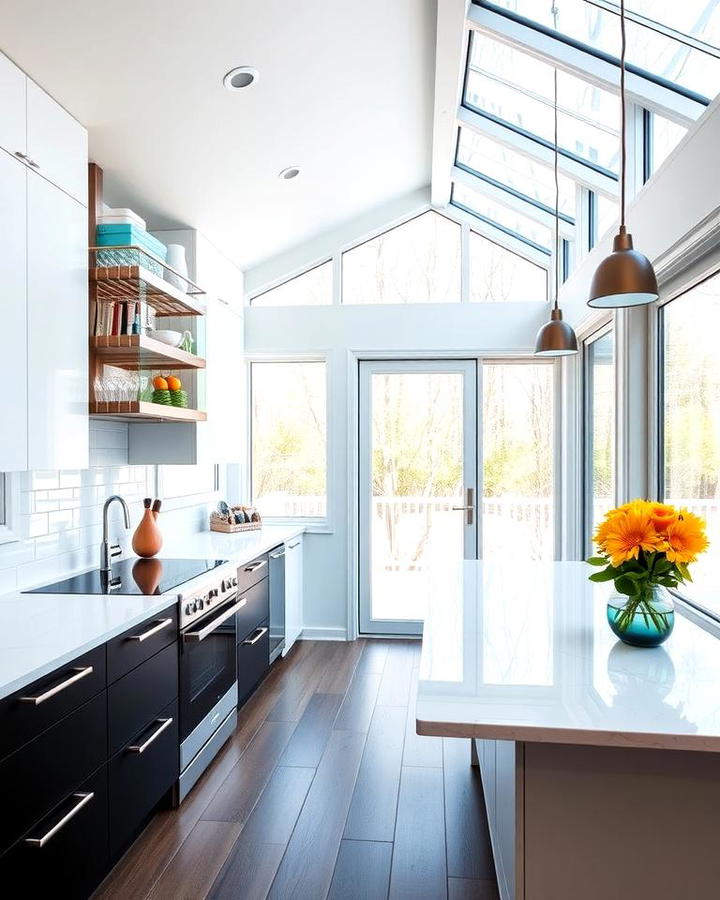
x=345 y=92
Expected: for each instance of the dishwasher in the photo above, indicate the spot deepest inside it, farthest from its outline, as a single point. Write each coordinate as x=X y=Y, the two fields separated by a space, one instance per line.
x=277 y=602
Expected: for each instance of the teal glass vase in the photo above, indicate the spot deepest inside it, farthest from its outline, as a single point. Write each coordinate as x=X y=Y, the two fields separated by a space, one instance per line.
x=644 y=621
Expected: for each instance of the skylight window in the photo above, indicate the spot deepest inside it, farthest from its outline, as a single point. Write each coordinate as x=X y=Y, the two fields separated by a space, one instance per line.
x=503 y=218
x=678 y=43
x=515 y=172
x=514 y=88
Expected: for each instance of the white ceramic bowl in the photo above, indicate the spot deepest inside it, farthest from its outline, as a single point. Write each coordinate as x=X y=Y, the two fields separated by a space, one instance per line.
x=173 y=338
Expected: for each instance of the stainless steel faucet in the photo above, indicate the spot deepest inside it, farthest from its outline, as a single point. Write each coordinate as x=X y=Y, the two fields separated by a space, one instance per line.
x=109 y=551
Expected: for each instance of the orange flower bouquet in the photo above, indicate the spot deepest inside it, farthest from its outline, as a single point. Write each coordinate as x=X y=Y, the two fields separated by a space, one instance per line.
x=644 y=548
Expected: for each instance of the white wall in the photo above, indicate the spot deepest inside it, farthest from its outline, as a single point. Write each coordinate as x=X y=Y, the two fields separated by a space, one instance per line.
x=57 y=516
x=343 y=333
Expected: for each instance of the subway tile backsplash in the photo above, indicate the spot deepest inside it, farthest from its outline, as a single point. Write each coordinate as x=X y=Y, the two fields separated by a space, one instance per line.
x=57 y=516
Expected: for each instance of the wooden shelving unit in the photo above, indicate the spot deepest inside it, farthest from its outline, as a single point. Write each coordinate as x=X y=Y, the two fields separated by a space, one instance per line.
x=135 y=282
x=141 y=282
x=133 y=351
x=140 y=409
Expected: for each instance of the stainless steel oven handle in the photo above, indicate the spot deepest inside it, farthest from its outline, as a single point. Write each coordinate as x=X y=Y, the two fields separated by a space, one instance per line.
x=192 y=637
x=83 y=799
x=41 y=698
x=256 y=566
x=256 y=637
x=163 y=623
x=141 y=748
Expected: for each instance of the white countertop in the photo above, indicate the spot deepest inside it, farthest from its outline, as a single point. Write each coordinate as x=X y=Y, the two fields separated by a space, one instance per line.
x=237 y=548
x=41 y=632
x=524 y=652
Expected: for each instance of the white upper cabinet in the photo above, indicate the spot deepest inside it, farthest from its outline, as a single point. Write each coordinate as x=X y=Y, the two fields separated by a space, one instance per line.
x=13 y=359
x=56 y=144
x=12 y=107
x=57 y=321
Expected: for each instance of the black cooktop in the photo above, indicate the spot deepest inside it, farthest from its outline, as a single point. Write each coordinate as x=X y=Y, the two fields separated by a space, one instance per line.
x=133 y=576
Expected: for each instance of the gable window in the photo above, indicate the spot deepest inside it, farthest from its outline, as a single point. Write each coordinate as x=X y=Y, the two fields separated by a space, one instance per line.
x=416 y=262
x=289 y=439
x=312 y=288
x=498 y=275
x=599 y=430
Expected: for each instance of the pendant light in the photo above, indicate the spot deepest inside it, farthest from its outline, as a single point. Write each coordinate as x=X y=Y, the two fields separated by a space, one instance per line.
x=556 y=338
x=626 y=277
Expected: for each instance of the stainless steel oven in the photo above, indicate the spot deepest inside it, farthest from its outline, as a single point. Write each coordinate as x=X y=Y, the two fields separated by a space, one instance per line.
x=208 y=672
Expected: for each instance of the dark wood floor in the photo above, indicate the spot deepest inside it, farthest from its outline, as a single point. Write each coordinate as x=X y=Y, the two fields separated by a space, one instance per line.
x=325 y=790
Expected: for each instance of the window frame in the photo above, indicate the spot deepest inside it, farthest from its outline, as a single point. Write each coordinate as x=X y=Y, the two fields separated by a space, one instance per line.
x=8 y=535
x=286 y=279
x=586 y=471
x=313 y=525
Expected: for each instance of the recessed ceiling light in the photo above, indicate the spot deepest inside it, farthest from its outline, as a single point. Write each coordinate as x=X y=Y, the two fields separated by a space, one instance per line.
x=289 y=173
x=240 y=77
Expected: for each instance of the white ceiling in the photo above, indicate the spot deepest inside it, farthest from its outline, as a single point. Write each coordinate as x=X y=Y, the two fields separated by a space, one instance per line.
x=345 y=92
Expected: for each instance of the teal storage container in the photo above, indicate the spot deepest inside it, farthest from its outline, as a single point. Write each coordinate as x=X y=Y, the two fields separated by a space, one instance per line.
x=126 y=235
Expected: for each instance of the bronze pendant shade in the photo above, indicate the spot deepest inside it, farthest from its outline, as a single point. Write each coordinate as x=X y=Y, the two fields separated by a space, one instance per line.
x=556 y=338
x=626 y=277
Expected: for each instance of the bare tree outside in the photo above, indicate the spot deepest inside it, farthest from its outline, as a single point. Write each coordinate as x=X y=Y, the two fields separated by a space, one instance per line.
x=289 y=438
x=691 y=407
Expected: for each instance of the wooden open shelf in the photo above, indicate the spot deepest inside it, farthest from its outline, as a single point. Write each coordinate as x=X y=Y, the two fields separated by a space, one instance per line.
x=152 y=412
x=138 y=283
x=139 y=351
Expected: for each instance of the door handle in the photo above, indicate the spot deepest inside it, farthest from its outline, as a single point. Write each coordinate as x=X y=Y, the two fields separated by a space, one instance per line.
x=46 y=695
x=256 y=566
x=256 y=637
x=162 y=624
x=193 y=637
x=141 y=748
x=469 y=508
x=83 y=799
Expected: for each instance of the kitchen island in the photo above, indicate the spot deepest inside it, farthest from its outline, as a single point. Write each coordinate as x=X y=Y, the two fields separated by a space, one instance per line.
x=599 y=761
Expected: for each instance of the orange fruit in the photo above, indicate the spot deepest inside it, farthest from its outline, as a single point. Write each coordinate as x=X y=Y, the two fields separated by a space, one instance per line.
x=173 y=383
x=160 y=383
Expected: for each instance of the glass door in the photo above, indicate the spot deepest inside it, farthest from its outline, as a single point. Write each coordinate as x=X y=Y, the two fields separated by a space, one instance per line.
x=418 y=465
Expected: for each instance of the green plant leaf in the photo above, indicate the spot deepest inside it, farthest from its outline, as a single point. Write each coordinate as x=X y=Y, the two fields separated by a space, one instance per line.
x=597 y=561
x=626 y=585
x=607 y=575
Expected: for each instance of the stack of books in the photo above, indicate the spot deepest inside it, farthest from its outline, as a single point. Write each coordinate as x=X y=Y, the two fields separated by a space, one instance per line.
x=116 y=317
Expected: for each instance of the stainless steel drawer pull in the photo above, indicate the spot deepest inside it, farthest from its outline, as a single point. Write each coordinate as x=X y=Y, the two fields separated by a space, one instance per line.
x=192 y=637
x=83 y=800
x=256 y=566
x=256 y=637
x=141 y=748
x=293 y=546
x=278 y=555
x=41 y=698
x=163 y=623
x=20 y=155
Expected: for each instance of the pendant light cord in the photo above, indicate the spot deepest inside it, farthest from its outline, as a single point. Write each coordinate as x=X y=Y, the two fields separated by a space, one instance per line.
x=623 y=149
x=557 y=199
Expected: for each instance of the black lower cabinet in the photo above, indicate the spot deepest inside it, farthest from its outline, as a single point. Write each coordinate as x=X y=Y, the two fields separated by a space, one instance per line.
x=253 y=657
x=86 y=774
x=141 y=774
x=65 y=854
x=45 y=771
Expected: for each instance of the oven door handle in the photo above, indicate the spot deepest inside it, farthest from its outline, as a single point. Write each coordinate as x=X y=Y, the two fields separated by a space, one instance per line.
x=193 y=637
